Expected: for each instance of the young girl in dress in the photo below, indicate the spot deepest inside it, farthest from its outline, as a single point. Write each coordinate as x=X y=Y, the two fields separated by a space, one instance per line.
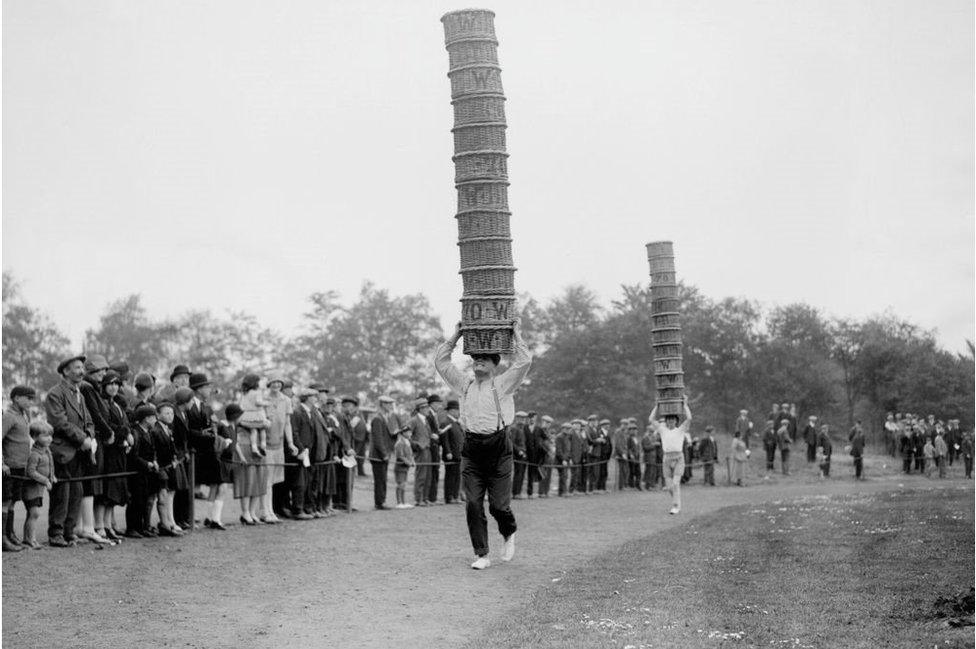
x=255 y=417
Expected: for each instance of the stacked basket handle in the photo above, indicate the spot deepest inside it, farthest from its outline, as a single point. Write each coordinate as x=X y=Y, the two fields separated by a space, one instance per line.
x=481 y=179
x=666 y=329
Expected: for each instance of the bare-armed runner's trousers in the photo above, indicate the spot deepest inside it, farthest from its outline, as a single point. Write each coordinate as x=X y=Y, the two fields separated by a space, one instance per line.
x=486 y=467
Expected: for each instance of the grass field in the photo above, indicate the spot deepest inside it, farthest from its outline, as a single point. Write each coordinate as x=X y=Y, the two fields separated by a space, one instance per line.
x=862 y=570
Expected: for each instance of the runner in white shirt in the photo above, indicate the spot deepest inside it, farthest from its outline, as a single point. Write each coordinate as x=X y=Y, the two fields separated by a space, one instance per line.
x=673 y=438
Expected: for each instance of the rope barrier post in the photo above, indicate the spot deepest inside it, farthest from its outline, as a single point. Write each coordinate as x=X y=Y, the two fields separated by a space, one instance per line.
x=192 y=473
x=350 y=476
x=728 y=471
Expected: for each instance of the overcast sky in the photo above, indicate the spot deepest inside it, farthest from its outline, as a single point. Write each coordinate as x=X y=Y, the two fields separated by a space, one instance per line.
x=816 y=151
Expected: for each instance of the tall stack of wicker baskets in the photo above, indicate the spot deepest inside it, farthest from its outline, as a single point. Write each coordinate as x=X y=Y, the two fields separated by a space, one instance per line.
x=665 y=329
x=481 y=178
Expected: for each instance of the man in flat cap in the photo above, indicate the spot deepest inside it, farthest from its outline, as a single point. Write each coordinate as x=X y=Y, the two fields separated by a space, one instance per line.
x=545 y=444
x=73 y=437
x=16 y=450
x=382 y=436
x=357 y=427
x=810 y=435
x=487 y=406
x=563 y=456
x=420 y=443
x=744 y=426
x=434 y=416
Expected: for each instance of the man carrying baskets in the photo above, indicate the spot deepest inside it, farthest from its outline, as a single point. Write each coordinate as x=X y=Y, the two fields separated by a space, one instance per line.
x=673 y=438
x=487 y=407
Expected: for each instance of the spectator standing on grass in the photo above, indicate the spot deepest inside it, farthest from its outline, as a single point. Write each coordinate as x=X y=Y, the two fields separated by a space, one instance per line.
x=739 y=456
x=619 y=443
x=16 y=451
x=279 y=435
x=382 y=438
x=918 y=440
x=420 y=443
x=826 y=450
x=891 y=431
x=402 y=461
x=171 y=472
x=673 y=440
x=810 y=438
x=546 y=443
x=856 y=438
x=434 y=417
x=144 y=485
x=784 y=441
x=633 y=455
x=40 y=478
x=298 y=475
x=708 y=451
x=928 y=453
x=517 y=432
x=531 y=454
x=966 y=451
x=787 y=414
x=941 y=452
x=577 y=476
x=72 y=441
x=953 y=439
x=487 y=403
x=452 y=440
x=606 y=452
x=744 y=425
x=115 y=492
x=770 y=441
x=92 y=503
x=906 y=448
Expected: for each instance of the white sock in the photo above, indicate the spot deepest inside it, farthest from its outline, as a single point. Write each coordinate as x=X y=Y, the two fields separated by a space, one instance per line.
x=218 y=508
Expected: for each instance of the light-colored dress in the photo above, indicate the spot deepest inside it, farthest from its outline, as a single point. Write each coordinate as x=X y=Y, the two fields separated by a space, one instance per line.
x=250 y=478
x=279 y=414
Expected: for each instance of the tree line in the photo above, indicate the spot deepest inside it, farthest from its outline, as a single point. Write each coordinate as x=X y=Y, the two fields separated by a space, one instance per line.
x=588 y=357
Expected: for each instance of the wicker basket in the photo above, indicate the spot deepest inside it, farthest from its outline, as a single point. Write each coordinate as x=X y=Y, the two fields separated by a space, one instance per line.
x=670 y=335
x=659 y=291
x=667 y=277
x=483 y=223
x=488 y=340
x=479 y=196
x=665 y=305
x=476 y=109
x=480 y=165
x=467 y=24
x=665 y=321
x=475 y=78
x=671 y=407
x=485 y=252
x=472 y=50
x=483 y=136
x=661 y=264
x=670 y=394
x=660 y=249
x=669 y=350
x=676 y=380
x=667 y=365
x=487 y=310
x=489 y=280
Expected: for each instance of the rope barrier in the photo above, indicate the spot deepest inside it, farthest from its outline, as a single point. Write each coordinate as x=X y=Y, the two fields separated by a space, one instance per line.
x=101 y=476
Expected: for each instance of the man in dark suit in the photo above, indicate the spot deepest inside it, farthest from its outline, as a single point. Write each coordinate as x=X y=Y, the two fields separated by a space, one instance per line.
x=708 y=452
x=577 y=451
x=532 y=454
x=303 y=438
x=341 y=440
x=435 y=416
x=810 y=436
x=382 y=436
x=517 y=432
x=357 y=427
x=452 y=441
x=73 y=434
x=563 y=456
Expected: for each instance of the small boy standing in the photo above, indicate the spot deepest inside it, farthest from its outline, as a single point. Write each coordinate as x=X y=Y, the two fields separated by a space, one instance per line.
x=826 y=450
x=403 y=454
x=40 y=473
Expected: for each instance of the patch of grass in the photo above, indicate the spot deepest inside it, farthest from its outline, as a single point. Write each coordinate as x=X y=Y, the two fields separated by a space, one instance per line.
x=851 y=571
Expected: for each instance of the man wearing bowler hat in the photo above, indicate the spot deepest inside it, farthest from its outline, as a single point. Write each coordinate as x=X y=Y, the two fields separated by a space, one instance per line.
x=178 y=378
x=487 y=407
x=452 y=440
x=382 y=437
x=73 y=435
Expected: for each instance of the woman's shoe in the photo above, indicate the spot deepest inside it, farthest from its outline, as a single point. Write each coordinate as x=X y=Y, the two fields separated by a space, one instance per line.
x=217 y=525
x=248 y=521
x=268 y=521
x=95 y=537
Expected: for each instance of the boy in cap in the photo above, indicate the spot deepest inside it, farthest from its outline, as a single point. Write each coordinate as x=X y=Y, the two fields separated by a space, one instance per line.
x=487 y=406
x=16 y=451
x=41 y=478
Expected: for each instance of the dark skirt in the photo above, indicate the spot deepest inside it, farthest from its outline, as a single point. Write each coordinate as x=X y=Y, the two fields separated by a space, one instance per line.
x=115 y=491
x=211 y=470
x=176 y=477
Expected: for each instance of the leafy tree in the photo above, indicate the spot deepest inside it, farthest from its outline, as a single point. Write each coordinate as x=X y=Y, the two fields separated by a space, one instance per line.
x=32 y=344
x=126 y=333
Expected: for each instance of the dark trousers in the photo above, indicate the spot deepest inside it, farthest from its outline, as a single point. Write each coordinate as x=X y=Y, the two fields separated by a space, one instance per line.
x=601 y=474
x=532 y=476
x=486 y=467
x=518 y=477
x=784 y=455
x=592 y=473
x=296 y=477
x=575 y=477
x=360 y=448
x=825 y=467
x=181 y=506
x=135 y=511
x=858 y=466
x=344 y=478
x=919 y=463
x=634 y=474
x=710 y=472
x=420 y=475
x=770 y=457
x=906 y=464
x=811 y=453
x=452 y=480
x=969 y=465
x=545 y=477
x=433 y=478
x=380 y=473
x=65 y=499
x=279 y=497
x=623 y=473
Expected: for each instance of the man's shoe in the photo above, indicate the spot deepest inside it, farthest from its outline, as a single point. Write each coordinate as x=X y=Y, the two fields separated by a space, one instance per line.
x=481 y=563
x=132 y=534
x=509 y=551
x=10 y=546
x=57 y=542
x=302 y=516
x=674 y=510
x=381 y=507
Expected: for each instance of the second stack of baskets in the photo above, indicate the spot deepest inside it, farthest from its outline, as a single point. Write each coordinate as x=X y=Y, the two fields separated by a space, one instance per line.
x=481 y=178
x=666 y=329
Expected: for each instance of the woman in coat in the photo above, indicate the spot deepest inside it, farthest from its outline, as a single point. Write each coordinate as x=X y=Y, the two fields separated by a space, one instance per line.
x=115 y=491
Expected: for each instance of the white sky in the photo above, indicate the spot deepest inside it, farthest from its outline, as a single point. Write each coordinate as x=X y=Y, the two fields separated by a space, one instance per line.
x=816 y=151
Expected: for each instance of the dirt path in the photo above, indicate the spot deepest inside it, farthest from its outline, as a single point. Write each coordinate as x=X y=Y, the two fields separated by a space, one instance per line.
x=370 y=579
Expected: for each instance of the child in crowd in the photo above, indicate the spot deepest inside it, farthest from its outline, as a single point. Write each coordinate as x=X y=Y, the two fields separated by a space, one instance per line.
x=739 y=456
x=172 y=474
x=255 y=417
x=928 y=452
x=40 y=472
x=826 y=449
x=403 y=455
